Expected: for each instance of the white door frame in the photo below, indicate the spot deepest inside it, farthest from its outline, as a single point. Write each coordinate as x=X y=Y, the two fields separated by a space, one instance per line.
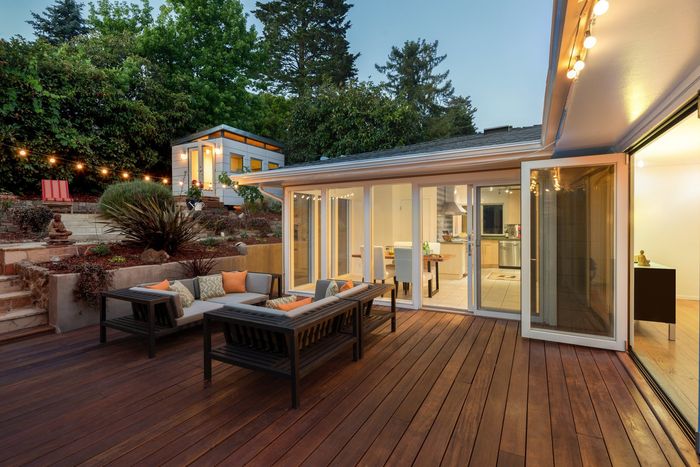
x=621 y=256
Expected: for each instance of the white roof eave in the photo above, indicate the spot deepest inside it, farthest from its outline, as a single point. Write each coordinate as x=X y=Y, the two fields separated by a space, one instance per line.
x=425 y=163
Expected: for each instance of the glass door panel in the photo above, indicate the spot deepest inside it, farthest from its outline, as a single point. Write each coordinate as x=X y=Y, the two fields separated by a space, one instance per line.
x=306 y=234
x=575 y=246
x=498 y=248
x=193 y=156
x=207 y=176
x=347 y=233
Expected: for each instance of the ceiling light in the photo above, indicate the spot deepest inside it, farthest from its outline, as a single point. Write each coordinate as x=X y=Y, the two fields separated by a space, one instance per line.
x=600 y=7
x=579 y=65
x=590 y=41
x=571 y=74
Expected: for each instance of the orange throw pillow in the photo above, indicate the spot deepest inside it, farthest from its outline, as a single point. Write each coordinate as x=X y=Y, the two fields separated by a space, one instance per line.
x=347 y=286
x=234 y=282
x=293 y=305
x=165 y=285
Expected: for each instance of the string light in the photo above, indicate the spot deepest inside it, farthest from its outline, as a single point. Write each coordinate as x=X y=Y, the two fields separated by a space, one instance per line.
x=147 y=178
x=23 y=152
x=125 y=175
x=52 y=160
x=104 y=171
x=579 y=65
x=165 y=181
x=590 y=41
x=571 y=74
x=601 y=7
x=79 y=166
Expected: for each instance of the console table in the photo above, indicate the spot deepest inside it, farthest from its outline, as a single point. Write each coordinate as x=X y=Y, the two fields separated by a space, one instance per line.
x=655 y=295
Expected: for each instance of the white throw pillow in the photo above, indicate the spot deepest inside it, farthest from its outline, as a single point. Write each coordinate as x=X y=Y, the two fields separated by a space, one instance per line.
x=332 y=289
x=211 y=286
x=186 y=297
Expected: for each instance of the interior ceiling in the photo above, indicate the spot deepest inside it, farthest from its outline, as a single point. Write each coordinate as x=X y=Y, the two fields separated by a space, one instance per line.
x=645 y=49
x=678 y=146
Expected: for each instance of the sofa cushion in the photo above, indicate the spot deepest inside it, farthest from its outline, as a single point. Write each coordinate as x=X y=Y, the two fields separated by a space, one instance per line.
x=274 y=304
x=322 y=286
x=175 y=304
x=236 y=298
x=186 y=297
x=162 y=285
x=347 y=286
x=287 y=314
x=294 y=305
x=258 y=282
x=194 y=312
x=191 y=285
x=234 y=281
x=349 y=292
x=210 y=286
x=332 y=289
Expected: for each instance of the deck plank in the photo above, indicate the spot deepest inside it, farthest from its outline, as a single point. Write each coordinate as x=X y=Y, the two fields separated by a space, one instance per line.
x=444 y=389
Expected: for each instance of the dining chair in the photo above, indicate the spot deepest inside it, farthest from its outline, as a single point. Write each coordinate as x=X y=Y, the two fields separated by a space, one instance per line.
x=380 y=267
x=403 y=259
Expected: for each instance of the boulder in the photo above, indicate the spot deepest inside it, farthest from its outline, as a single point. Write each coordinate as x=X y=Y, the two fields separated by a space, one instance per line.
x=151 y=256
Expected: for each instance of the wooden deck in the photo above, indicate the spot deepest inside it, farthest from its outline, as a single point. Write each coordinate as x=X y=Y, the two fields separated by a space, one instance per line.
x=445 y=389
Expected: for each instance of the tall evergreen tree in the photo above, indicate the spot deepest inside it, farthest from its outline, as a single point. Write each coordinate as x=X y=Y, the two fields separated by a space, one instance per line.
x=411 y=76
x=306 y=43
x=60 y=22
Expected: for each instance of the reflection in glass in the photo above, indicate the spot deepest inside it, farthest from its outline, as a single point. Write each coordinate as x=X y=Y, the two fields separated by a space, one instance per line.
x=572 y=225
x=306 y=209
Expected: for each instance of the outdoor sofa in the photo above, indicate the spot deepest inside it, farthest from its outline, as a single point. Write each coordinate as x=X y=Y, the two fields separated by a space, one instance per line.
x=156 y=313
x=293 y=343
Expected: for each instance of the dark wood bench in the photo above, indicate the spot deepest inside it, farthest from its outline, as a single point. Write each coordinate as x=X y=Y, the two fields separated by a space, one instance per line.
x=288 y=347
x=371 y=318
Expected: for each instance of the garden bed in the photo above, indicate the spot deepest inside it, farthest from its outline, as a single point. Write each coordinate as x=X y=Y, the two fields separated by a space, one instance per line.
x=132 y=255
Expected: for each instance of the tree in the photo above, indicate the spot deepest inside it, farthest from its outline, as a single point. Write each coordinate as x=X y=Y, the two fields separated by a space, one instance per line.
x=411 y=76
x=355 y=118
x=456 y=119
x=206 y=50
x=305 y=42
x=60 y=22
x=116 y=17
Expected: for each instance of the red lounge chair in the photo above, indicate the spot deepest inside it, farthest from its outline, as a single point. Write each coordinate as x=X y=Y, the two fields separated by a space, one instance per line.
x=55 y=193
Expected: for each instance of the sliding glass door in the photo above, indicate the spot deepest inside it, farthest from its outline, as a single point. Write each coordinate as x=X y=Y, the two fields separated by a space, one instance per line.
x=575 y=227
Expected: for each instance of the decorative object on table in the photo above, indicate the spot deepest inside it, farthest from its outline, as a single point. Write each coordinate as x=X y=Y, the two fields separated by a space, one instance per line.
x=426 y=248
x=58 y=234
x=642 y=260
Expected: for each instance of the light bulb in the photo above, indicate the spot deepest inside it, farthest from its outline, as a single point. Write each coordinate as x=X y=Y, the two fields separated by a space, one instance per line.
x=52 y=160
x=165 y=181
x=183 y=156
x=79 y=166
x=600 y=7
x=125 y=175
x=590 y=41
x=640 y=164
x=579 y=65
x=571 y=74
x=181 y=183
x=147 y=178
x=104 y=171
x=23 y=152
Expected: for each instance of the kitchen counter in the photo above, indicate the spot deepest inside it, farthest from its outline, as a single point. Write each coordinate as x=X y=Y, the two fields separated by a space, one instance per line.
x=455 y=266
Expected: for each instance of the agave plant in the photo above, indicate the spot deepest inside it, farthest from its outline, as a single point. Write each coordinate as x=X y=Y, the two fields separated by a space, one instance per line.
x=152 y=223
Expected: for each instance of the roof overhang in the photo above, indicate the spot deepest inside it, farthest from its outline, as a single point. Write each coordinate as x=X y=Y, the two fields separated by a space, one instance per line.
x=199 y=134
x=427 y=163
x=645 y=66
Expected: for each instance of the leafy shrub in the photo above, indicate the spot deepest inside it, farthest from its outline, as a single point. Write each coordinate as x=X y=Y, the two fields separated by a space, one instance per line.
x=210 y=242
x=101 y=249
x=260 y=224
x=152 y=223
x=34 y=219
x=117 y=260
x=135 y=193
x=199 y=266
x=92 y=280
x=194 y=192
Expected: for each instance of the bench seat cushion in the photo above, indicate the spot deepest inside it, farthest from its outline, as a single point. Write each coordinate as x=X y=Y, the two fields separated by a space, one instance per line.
x=236 y=298
x=350 y=292
x=194 y=313
x=287 y=314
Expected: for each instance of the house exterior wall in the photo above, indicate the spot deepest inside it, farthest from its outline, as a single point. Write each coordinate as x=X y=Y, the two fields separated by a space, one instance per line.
x=223 y=148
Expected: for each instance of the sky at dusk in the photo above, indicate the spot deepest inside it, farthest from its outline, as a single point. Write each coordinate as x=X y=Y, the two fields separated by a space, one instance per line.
x=496 y=50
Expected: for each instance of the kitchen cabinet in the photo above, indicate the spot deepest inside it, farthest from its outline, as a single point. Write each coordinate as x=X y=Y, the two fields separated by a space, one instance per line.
x=489 y=253
x=455 y=264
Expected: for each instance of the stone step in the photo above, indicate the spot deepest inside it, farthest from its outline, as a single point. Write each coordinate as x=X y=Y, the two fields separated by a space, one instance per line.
x=10 y=284
x=26 y=333
x=22 y=318
x=14 y=300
